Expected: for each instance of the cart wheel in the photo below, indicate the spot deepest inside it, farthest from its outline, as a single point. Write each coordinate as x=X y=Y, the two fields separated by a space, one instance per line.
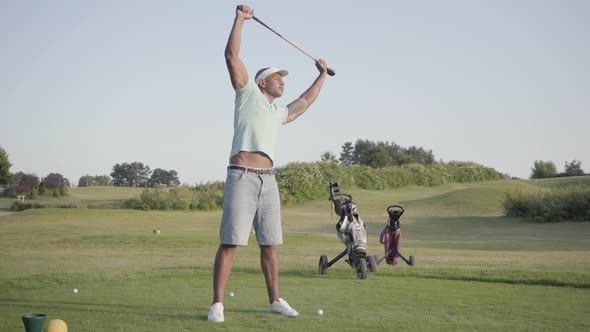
x=412 y=261
x=323 y=266
x=372 y=263
x=361 y=269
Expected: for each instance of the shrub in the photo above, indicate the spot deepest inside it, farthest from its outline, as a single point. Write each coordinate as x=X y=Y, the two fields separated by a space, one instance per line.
x=570 y=203
x=133 y=203
x=21 y=206
x=42 y=188
x=100 y=205
x=366 y=177
x=208 y=196
x=155 y=199
x=63 y=190
x=299 y=182
x=181 y=198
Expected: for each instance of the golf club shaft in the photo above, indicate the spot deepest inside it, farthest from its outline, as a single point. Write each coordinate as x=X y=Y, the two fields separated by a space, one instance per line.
x=331 y=72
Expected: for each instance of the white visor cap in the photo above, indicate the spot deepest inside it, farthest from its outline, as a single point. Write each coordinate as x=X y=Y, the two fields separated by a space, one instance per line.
x=264 y=73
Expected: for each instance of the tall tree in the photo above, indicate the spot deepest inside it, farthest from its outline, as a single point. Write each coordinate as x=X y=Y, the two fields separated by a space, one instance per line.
x=97 y=180
x=85 y=181
x=5 y=175
x=392 y=150
x=328 y=157
x=543 y=169
x=421 y=156
x=54 y=181
x=375 y=156
x=23 y=183
x=131 y=175
x=346 y=155
x=574 y=168
x=102 y=180
x=360 y=148
x=162 y=177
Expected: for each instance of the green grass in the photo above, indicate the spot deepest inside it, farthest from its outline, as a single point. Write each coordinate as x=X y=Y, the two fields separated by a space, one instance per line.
x=475 y=269
x=82 y=197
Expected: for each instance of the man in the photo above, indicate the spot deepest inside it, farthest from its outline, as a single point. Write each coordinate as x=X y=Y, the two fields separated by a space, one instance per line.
x=251 y=196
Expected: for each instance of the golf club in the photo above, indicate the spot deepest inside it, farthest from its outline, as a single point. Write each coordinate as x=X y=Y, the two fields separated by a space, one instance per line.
x=331 y=72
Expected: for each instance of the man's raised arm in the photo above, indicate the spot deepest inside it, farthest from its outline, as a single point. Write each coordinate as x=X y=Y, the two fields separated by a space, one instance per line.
x=301 y=104
x=237 y=71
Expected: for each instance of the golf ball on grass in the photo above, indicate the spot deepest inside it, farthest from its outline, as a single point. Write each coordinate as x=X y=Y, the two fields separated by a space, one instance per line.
x=320 y=312
x=231 y=294
x=75 y=290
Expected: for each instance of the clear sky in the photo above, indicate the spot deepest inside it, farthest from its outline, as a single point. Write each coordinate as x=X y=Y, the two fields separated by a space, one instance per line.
x=85 y=85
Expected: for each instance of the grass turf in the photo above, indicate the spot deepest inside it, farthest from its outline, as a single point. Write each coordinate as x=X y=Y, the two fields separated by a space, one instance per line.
x=475 y=269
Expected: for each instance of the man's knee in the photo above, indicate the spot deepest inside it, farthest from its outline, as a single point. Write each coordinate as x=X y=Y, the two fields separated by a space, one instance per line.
x=225 y=250
x=268 y=250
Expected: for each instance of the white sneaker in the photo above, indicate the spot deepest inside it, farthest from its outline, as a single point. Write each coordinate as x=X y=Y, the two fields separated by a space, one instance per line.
x=282 y=307
x=216 y=313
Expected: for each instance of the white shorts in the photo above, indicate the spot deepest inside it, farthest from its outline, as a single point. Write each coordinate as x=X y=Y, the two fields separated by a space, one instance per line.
x=250 y=200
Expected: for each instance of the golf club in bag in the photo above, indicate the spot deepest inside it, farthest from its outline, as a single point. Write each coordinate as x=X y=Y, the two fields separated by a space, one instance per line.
x=390 y=237
x=352 y=231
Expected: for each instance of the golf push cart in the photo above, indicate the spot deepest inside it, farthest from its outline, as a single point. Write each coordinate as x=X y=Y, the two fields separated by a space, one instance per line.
x=351 y=230
x=390 y=237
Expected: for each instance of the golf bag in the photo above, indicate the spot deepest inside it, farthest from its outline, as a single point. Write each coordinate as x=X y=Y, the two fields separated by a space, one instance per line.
x=390 y=237
x=350 y=228
x=352 y=231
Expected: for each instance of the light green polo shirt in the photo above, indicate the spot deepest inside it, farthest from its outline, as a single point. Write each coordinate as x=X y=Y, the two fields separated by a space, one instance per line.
x=256 y=122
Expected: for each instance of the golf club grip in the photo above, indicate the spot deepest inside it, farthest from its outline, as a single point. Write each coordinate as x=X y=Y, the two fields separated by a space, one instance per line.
x=331 y=72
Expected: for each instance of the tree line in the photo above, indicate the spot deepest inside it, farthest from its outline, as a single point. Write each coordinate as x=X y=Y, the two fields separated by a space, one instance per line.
x=135 y=174
x=547 y=169
x=363 y=152
x=380 y=154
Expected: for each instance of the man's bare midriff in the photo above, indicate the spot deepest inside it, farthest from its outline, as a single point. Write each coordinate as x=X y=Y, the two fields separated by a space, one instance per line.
x=251 y=159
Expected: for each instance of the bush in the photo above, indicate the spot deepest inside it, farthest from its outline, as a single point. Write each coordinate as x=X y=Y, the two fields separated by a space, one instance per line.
x=181 y=198
x=571 y=203
x=366 y=177
x=21 y=206
x=42 y=188
x=100 y=205
x=208 y=196
x=155 y=199
x=63 y=190
x=299 y=182
x=133 y=203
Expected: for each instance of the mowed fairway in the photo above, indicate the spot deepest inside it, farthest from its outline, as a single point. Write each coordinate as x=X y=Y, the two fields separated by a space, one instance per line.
x=474 y=268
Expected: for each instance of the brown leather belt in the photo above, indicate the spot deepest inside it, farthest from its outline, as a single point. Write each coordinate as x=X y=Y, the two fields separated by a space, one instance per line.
x=252 y=170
